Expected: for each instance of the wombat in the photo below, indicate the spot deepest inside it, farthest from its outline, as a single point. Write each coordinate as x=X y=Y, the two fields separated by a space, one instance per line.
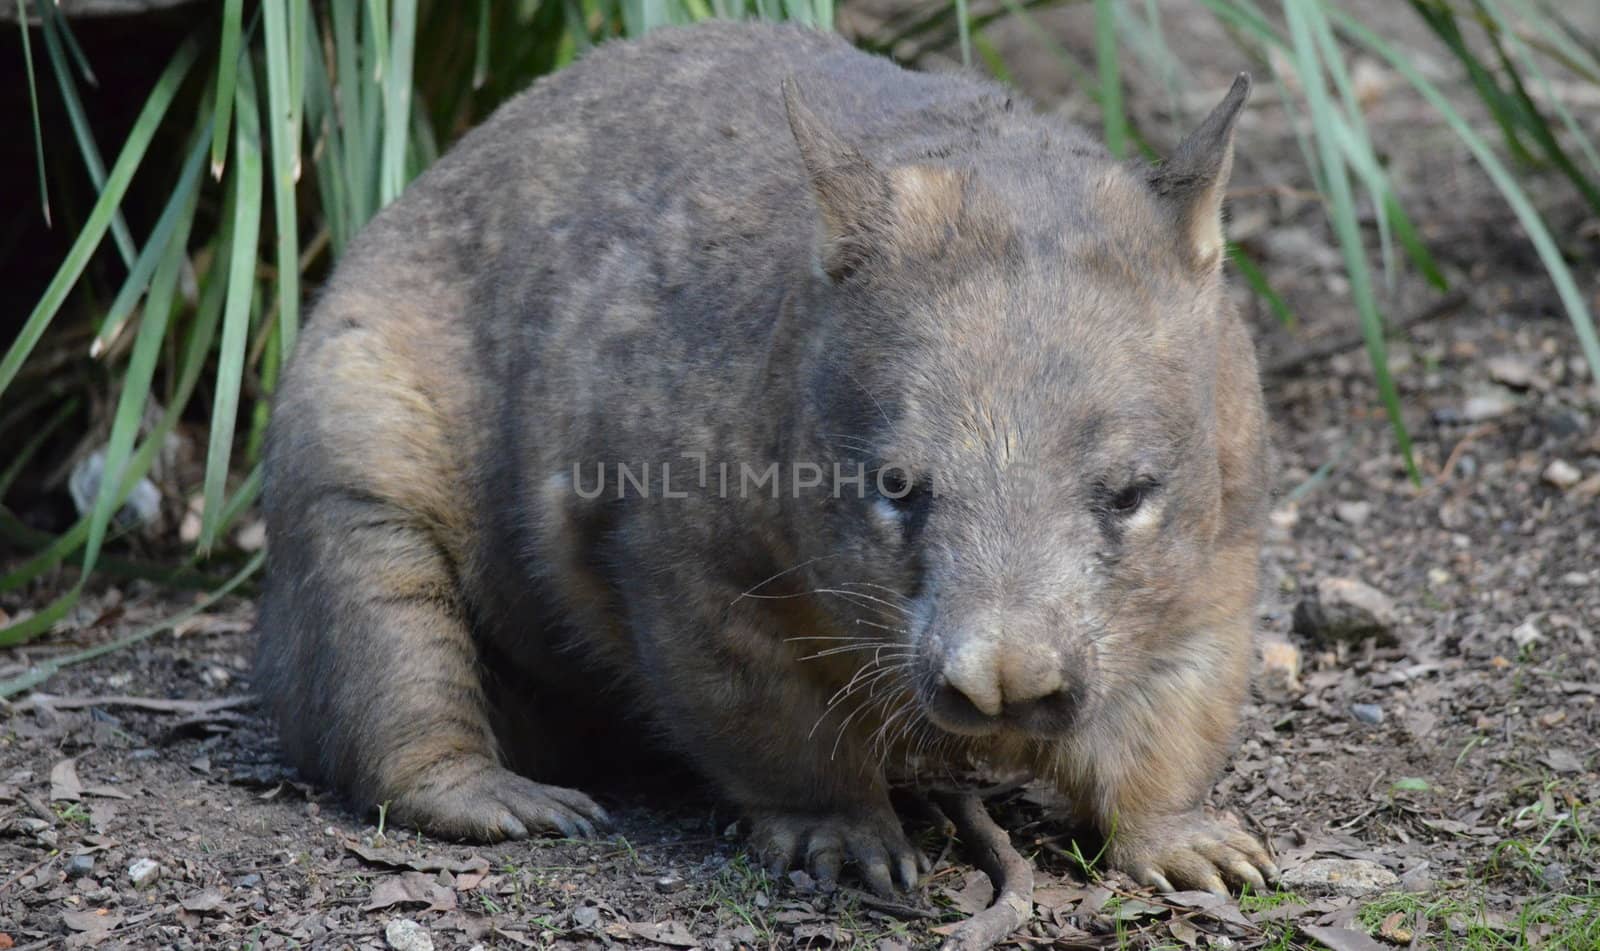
x=827 y=424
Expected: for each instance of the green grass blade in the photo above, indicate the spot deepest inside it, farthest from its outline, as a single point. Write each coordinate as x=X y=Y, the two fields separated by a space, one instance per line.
x=1532 y=119
x=1544 y=244
x=57 y=419
x=228 y=67
x=480 y=58
x=33 y=100
x=150 y=255
x=1342 y=213
x=964 y=32
x=245 y=232
x=1112 y=111
x=350 y=123
x=992 y=60
x=284 y=55
x=35 y=676
x=29 y=628
x=94 y=228
x=53 y=26
x=1406 y=233
x=197 y=349
x=140 y=372
x=1258 y=283
x=397 y=98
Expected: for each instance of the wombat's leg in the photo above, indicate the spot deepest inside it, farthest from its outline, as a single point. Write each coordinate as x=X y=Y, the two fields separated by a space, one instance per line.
x=1142 y=784
x=763 y=734
x=367 y=659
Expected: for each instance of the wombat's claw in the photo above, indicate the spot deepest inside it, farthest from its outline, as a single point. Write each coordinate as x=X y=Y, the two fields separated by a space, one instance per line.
x=1197 y=851
x=875 y=843
x=493 y=803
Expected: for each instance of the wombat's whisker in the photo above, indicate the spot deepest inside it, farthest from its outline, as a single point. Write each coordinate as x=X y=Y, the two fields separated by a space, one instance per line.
x=897 y=630
x=786 y=571
x=867 y=584
x=849 y=595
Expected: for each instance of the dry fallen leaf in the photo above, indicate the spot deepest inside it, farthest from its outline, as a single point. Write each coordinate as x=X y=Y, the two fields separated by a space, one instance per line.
x=1343 y=939
x=410 y=888
x=64 y=782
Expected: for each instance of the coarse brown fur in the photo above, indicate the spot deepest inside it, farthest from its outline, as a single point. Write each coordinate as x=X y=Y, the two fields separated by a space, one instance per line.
x=559 y=457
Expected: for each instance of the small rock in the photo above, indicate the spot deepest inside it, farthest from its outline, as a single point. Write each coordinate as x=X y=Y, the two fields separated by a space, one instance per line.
x=1515 y=372
x=252 y=880
x=1562 y=474
x=1527 y=633
x=1344 y=609
x=1487 y=406
x=1354 y=514
x=802 y=881
x=1575 y=579
x=1438 y=577
x=144 y=872
x=670 y=884
x=80 y=865
x=1554 y=875
x=1280 y=666
x=1369 y=713
x=403 y=934
x=1349 y=878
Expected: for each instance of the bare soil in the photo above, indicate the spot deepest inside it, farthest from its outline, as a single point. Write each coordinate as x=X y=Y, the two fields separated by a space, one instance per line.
x=1457 y=750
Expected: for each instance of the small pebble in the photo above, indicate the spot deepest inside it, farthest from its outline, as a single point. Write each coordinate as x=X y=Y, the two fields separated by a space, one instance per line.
x=144 y=872
x=403 y=934
x=669 y=884
x=1562 y=474
x=1354 y=514
x=1344 y=609
x=1367 y=713
x=1479 y=409
x=253 y=880
x=1438 y=576
x=1515 y=372
x=1350 y=878
x=80 y=865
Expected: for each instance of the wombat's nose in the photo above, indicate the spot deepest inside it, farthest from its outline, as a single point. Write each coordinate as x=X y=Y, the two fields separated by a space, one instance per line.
x=1030 y=685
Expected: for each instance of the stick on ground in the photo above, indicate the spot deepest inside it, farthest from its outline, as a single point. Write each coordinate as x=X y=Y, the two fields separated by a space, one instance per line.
x=991 y=849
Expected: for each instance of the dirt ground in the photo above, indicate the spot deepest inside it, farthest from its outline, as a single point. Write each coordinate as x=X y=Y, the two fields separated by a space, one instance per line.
x=1451 y=754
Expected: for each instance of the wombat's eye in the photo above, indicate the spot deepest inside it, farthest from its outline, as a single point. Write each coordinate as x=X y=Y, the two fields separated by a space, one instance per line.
x=908 y=497
x=1130 y=498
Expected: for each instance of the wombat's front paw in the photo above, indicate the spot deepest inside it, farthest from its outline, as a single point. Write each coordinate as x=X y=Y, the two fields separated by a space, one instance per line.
x=822 y=843
x=486 y=803
x=1194 y=850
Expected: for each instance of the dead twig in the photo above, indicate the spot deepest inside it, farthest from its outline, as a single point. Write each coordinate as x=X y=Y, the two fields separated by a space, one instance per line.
x=153 y=704
x=991 y=850
x=1337 y=343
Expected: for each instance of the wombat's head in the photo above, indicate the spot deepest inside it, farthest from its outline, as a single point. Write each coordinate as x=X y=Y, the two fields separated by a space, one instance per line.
x=1028 y=345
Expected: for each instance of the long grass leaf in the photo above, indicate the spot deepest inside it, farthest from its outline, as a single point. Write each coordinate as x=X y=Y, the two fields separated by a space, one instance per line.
x=1108 y=61
x=37 y=675
x=964 y=32
x=1342 y=213
x=94 y=228
x=1256 y=279
x=144 y=266
x=245 y=228
x=284 y=54
x=1544 y=244
x=228 y=67
x=33 y=101
x=140 y=373
x=26 y=452
x=197 y=348
x=53 y=26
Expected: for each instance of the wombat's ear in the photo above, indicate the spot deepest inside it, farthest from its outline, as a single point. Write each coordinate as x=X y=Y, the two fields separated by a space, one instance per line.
x=853 y=196
x=1194 y=179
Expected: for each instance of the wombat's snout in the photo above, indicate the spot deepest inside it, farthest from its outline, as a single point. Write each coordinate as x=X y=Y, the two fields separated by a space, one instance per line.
x=984 y=686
